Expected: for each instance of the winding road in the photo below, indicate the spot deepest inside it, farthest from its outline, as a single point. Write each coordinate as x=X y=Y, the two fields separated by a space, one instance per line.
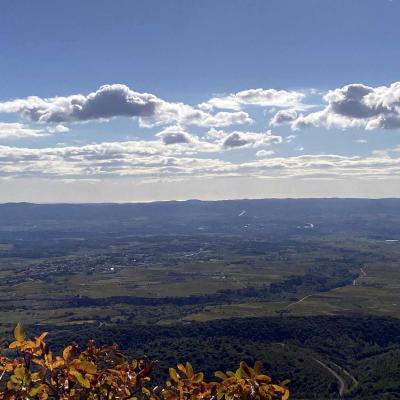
x=341 y=381
x=343 y=386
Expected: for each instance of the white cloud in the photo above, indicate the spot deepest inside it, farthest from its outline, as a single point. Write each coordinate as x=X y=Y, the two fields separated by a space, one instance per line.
x=183 y=114
x=325 y=119
x=356 y=105
x=139 y=158
x=257 y=97
x=58 y=129
x=283 y=116
x=240 y=139
x=152 y=160
x=15 y=130
x=107 y=102
x=264 y=153
x=117 y=100
x=175 y=152
x=175 y=135
x=328 y=166
x=155 y=159
x=290 y=138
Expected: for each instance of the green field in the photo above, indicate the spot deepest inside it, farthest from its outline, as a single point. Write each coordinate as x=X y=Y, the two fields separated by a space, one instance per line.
x=41 y=290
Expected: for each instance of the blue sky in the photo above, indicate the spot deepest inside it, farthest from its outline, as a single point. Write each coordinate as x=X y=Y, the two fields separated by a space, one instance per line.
x=156 y=100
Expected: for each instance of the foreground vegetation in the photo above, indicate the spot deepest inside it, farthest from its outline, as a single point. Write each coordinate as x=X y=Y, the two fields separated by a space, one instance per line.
x=97 y=373
x=363 y=351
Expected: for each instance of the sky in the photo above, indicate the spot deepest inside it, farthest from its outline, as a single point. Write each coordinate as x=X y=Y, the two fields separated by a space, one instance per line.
x=124 y=101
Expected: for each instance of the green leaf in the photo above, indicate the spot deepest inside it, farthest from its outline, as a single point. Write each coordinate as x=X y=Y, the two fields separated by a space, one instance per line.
x=80 y=379
x=19 y=372
x=85 y=366
x=189 y=370
x=220 y=375
x=15 y=379
x=220 y=395
x=239 y=373
x=35 y=391
x=146 y=392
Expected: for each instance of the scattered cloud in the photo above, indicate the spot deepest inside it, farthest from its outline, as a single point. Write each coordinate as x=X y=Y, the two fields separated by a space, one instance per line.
x=264 y=153
x=290 y=138
x=256 y=97
x=175 y=135
x=154 y=159
x=352 y=106
x=117 y=100
x=236 y=140
x=247 y=139
x=137 y=158
x=283 y=116
x=183 y=114
x=57 y=128
x=107 y=102
x=15 y=130
x=173 y=151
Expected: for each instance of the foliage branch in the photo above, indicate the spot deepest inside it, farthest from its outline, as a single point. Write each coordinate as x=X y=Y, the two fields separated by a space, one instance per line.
x=29 y=370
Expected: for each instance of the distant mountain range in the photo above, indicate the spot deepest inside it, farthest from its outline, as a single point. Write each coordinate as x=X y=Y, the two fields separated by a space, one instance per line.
x=378 y=218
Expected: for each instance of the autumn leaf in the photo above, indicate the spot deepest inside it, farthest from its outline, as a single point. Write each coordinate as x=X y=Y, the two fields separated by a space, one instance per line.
x=173 y=375
x=19 y=333
x=103 y=372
